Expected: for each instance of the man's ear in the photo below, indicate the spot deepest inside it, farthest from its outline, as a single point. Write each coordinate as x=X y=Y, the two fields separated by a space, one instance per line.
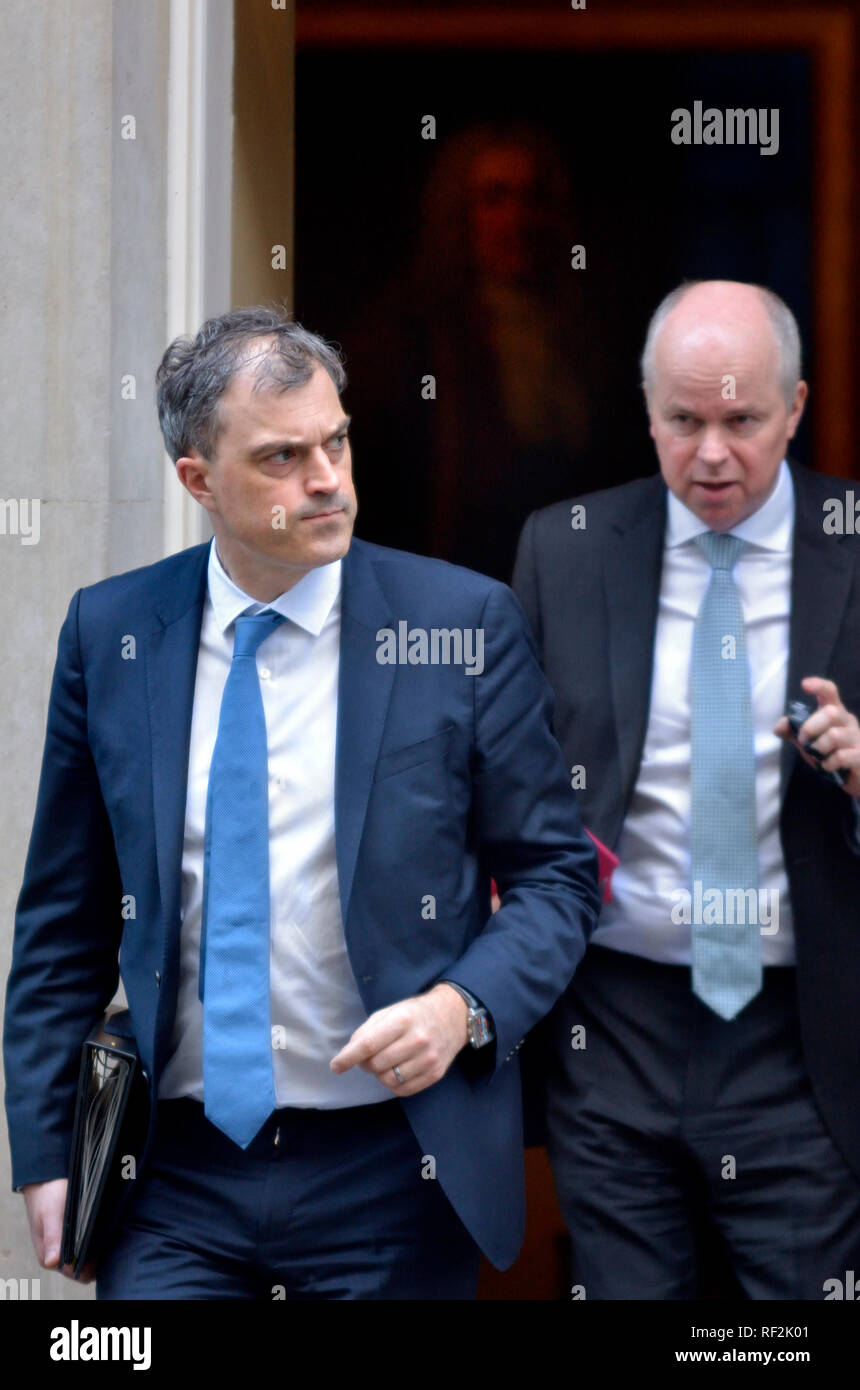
x=794 y=415
x=647 y=399
x=192 y=470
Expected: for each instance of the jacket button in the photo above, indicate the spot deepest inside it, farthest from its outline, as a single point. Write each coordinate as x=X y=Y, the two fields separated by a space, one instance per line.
x=158 y=977
x=366 y=979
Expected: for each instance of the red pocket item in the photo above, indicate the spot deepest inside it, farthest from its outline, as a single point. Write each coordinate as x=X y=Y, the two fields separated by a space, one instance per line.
x=606 y=862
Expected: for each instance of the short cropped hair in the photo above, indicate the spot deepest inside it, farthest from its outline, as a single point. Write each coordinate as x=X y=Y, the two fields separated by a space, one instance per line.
x=784 y=325
x=195 y=372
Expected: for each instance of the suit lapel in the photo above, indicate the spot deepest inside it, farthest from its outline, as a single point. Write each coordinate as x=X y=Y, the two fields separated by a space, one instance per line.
x=171 y=666
x=364 y=692
x=633 y=559
x=820 y=583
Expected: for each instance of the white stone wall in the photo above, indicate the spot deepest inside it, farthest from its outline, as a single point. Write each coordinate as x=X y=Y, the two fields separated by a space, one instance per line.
x=82 y=292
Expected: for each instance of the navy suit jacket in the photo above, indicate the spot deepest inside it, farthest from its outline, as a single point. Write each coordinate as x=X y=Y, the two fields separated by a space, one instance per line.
x=442 y=780
x=592 y=597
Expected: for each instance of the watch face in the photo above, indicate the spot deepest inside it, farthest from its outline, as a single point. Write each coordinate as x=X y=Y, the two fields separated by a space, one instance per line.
x=479 y=1031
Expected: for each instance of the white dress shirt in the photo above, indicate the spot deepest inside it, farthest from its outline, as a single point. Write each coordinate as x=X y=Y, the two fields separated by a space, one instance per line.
x=654 y=848
x=315 y=1003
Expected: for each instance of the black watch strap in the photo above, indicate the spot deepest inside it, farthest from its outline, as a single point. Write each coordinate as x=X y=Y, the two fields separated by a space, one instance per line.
x=479 y=1022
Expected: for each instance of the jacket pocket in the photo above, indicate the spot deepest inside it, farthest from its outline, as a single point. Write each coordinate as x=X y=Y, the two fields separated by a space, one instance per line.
x=413 y=754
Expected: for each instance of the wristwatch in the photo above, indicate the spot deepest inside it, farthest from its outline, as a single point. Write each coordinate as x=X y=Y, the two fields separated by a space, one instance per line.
x=479 y=1025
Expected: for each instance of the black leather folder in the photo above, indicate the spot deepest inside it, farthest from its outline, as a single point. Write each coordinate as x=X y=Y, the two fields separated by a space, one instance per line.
x=109 y=1127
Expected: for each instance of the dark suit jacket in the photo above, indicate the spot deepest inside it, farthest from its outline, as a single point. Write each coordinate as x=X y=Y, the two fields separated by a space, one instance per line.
x=591 y=596
x=442 y=780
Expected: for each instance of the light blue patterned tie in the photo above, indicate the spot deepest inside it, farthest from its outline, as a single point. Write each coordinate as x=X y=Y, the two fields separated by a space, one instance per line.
x=726 y=954
x=238 y=1084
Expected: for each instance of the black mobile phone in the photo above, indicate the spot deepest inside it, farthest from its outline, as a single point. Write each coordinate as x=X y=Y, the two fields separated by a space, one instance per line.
x=797 y=714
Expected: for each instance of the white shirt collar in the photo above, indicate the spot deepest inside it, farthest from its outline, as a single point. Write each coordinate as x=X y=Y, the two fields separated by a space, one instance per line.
x=308 y=603
x=770 y=527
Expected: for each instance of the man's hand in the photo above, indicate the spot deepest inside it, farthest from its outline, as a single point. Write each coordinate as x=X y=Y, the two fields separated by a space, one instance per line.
x=420 y=1036
x=833 y=730
x=45 y=1205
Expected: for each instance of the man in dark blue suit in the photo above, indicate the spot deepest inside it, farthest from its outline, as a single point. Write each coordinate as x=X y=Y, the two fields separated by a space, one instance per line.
x=280 y=769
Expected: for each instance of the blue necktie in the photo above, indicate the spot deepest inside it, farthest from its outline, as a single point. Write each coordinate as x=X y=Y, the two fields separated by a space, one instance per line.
x=726 y=953
x=238 y=1084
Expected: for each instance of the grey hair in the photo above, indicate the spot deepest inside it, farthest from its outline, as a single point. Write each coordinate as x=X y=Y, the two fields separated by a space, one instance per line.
x=195 y=372
x=783 y=322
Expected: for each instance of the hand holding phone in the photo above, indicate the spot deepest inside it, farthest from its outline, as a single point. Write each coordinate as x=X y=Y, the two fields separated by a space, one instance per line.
x=797 y=714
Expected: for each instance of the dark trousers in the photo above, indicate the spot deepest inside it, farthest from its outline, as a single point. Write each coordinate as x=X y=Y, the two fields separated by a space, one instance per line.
x=670 y=1116
x=323 y=1204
